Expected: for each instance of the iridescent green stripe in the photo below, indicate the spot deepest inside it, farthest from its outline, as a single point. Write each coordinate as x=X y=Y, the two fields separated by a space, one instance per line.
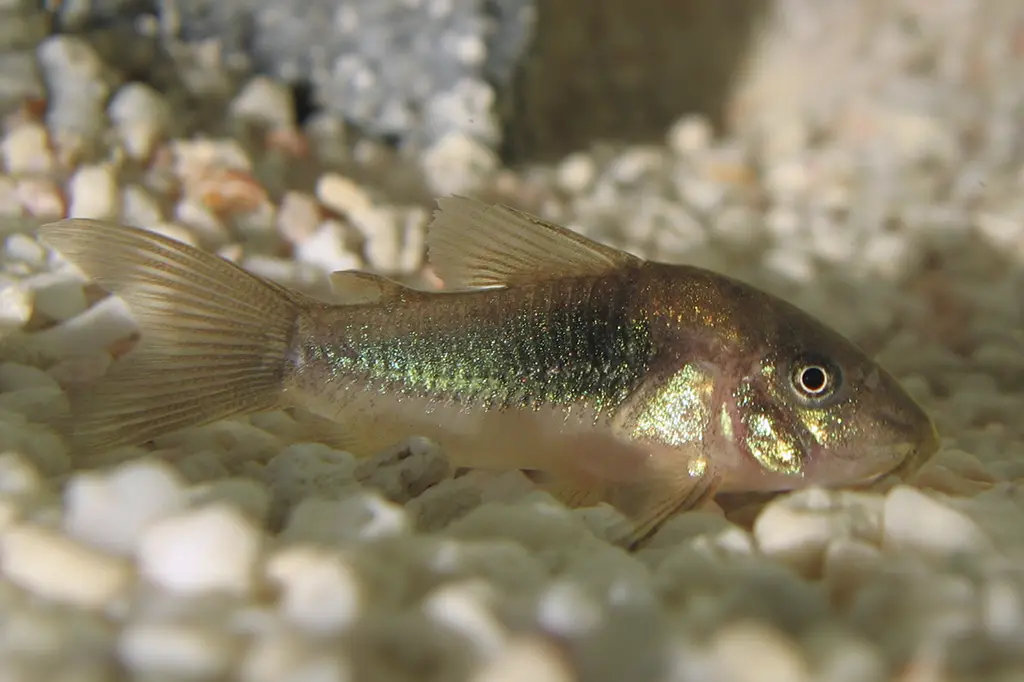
x=561 y=343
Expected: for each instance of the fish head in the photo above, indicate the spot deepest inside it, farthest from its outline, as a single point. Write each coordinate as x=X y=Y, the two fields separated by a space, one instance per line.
x=810 y=408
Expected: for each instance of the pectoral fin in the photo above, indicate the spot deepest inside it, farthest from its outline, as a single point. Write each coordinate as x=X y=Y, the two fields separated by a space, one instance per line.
x=316 y=429
x=647 y=502
x=573 y=493
x=649 y=505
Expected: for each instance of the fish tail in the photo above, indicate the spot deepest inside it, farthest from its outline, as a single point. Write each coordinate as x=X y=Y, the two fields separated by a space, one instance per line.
x=214 y=340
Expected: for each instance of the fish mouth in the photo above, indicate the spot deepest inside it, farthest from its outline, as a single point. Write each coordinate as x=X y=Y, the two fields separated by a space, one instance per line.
x=869 y=481
x=913 y=458
x=919 y=453
x=910 y=461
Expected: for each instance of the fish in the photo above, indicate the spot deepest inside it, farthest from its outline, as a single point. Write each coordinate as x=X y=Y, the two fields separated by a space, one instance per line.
x=607 y=378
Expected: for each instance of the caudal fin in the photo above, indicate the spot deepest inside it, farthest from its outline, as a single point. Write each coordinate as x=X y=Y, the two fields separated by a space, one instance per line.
x=214 y=338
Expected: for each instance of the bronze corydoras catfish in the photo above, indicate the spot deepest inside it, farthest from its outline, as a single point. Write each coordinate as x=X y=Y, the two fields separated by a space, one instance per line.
x=645 y=385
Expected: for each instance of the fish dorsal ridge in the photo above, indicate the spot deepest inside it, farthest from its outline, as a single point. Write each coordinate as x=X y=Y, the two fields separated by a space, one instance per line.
x=355 y=287
x=473 y=245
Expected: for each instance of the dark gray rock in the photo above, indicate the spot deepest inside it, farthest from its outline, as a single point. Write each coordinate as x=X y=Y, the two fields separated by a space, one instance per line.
x=621 y=70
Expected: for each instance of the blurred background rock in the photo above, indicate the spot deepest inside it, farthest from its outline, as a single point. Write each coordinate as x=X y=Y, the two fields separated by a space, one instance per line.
x=562 y=73
x=535 y=79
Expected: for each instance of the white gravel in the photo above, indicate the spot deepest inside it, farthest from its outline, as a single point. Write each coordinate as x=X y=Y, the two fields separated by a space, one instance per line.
x=241 y=550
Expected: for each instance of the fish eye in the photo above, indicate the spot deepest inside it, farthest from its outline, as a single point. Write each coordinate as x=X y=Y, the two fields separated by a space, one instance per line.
x=815 y=380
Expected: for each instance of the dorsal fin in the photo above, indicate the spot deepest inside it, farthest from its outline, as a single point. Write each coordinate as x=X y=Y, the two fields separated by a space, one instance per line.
x=471 y=244
x=353 y=287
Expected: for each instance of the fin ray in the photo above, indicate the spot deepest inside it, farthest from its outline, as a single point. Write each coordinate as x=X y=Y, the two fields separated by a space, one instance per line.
x=569 y=492
x=317 y=429
x=651 y=503
x=159 y=264
x=471 y=244
x=647 y=502
x=213 y=343
x=355 y=287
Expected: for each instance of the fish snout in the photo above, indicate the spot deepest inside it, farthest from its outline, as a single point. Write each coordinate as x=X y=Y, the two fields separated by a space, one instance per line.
x=921 y=447
x=897 y=450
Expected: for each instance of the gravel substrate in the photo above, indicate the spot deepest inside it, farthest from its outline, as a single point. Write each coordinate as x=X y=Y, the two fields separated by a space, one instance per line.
x=878 y=187
x=415 y=71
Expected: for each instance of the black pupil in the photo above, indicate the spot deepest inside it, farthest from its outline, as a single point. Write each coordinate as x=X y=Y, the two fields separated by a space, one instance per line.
x=813 y=379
